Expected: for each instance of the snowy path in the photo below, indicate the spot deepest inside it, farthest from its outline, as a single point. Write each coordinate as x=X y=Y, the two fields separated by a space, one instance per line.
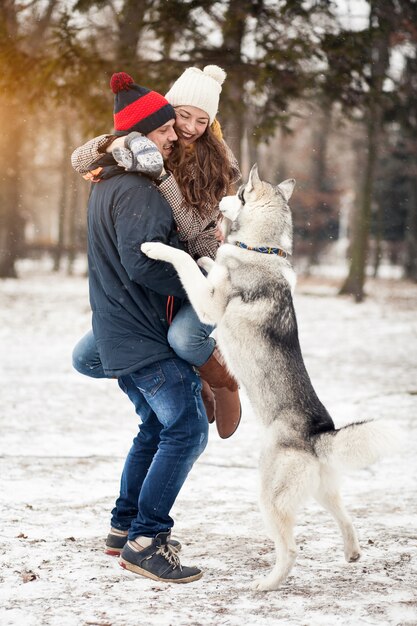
x=63 y=441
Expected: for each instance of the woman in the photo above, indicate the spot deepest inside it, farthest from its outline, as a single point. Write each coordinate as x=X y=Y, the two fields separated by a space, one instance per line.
x=195 y=180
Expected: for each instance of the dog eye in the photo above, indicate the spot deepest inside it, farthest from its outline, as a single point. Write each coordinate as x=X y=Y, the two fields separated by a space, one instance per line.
x=241 y=196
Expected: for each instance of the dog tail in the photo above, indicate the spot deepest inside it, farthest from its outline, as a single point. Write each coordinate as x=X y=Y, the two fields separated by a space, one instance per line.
x=358 y=445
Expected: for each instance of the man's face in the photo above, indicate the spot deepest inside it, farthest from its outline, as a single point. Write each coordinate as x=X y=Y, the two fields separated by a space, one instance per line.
x=164 y=137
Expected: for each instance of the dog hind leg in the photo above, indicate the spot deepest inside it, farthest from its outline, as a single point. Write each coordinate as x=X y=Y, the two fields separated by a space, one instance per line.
x=284 y=489
x=285 y=553
x=328 y=495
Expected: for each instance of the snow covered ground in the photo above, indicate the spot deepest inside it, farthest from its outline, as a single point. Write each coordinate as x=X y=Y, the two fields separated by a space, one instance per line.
x=63 y=441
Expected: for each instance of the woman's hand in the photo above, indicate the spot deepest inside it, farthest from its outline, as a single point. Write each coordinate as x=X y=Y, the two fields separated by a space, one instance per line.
x=118 y=142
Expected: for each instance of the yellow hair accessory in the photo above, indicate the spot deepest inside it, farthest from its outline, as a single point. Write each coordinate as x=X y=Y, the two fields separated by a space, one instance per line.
x=216 y=129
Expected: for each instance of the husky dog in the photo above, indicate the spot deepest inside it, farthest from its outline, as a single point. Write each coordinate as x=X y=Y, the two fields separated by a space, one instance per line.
x=247 y=294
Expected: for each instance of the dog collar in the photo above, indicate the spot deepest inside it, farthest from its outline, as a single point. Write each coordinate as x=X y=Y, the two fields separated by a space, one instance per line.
x=263 y=249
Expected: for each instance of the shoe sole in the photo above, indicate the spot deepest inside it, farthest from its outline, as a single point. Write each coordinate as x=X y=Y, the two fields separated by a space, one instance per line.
x=143 y=572
x=112 y=552
x=236 y=427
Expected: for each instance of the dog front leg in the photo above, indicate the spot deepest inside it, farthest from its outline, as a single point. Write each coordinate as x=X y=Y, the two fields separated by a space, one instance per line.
x=199 y=290
x=206 y=263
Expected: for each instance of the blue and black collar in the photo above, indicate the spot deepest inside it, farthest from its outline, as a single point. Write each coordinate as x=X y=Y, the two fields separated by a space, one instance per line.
x=263 y=249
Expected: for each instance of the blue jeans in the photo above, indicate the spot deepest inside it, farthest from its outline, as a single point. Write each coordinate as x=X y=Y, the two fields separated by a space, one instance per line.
x=188 y=337
x=86 y=359
x=173 y=433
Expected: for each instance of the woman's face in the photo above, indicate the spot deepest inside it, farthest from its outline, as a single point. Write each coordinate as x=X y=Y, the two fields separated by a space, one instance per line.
x=190 y=123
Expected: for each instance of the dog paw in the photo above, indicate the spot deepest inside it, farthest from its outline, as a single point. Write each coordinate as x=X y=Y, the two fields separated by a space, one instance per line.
x=352 y=551
x=155 y=250
x=264 y=584
x=206 y=263
x=353 y=556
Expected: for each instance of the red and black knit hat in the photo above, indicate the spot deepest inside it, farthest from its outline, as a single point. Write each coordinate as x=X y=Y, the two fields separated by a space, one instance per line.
x=137 y=108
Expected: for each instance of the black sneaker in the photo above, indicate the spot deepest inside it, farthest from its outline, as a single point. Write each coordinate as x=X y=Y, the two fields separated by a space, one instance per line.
x=160 y=561
x=115 y=544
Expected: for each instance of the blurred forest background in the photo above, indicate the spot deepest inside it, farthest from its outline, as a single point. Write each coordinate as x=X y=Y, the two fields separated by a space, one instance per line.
x=323 y=91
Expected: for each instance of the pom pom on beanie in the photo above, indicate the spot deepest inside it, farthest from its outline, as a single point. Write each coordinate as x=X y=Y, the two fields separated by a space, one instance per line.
x=120 y=81
x=198 y=88
x=215 y=72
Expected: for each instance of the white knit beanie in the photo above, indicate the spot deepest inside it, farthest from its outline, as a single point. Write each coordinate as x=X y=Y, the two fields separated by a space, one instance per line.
x=198 y=88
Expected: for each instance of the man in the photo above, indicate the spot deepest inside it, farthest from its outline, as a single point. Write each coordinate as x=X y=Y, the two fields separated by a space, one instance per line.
x=131 y=299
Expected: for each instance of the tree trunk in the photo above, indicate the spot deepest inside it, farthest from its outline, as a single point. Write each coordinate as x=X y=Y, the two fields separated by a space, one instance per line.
x=233 y=31
x=411 y=229
x=130 y=23
x=62 y=211
x=319 y=179
x=378 y=238
x=355 y=282
x=73 y=222
x=20 y=45
x=234 y=125
x=11 y=220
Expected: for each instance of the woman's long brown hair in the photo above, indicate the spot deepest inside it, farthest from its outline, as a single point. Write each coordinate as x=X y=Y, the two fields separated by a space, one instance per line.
x=203 y=172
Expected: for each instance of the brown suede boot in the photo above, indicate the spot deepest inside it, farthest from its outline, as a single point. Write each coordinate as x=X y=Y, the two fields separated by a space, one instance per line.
x=208 y=401
x=226 y=394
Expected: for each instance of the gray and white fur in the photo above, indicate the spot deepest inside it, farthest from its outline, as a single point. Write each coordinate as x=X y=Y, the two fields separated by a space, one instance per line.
x=248 y=296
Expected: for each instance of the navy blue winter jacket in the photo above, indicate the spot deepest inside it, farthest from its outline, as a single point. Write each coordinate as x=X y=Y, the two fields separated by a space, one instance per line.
x=128 y=291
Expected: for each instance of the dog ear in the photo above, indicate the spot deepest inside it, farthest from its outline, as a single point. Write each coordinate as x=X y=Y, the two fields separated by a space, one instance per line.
x=253 y=178
x=286 y=188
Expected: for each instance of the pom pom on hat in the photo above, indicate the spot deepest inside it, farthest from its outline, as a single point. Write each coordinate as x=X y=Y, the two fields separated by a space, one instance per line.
x=120 y=81
x=216 y=72
x=137 y=108
x=198 y=88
